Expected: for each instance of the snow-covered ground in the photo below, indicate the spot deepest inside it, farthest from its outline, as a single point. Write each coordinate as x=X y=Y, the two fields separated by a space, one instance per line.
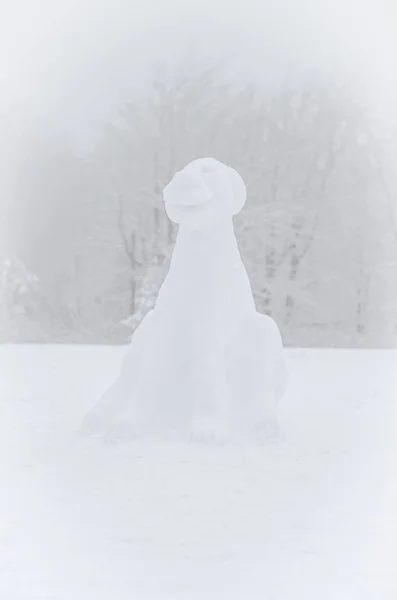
x=312 y=516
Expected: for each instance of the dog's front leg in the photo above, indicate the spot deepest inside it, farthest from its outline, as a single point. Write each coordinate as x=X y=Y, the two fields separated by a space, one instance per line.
x=209 y=388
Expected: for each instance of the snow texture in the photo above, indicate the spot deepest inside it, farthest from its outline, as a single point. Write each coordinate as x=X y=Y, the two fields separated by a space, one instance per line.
x=308 y=516
x=203 y=360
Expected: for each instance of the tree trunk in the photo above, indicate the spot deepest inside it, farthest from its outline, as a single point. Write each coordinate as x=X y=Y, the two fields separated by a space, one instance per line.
x=133 y=281
x=293 y=272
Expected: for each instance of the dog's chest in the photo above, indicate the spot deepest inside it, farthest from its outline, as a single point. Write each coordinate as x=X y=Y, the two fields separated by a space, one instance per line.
x=206 y=278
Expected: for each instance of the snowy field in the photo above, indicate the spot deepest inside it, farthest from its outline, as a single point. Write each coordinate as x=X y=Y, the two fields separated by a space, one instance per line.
x=311 y=516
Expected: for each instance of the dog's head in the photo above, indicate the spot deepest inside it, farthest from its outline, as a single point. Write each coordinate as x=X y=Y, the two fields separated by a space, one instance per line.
x=203 y=194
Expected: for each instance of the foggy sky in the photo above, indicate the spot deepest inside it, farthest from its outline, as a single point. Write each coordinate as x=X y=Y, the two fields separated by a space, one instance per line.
x=68 y=64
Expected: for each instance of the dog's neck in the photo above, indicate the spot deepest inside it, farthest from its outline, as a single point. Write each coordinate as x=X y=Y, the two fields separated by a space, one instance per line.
x=220 y=236
x=206 y=276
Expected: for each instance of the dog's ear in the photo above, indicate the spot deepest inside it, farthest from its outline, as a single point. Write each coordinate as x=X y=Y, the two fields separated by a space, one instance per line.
x=239 y=191
x=225 y=184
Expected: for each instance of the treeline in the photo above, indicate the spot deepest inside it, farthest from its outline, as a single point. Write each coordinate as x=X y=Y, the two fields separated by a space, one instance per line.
x=90 y=241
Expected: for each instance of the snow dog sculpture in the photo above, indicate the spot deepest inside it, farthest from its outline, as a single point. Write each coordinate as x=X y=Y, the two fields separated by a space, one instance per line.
x=203 y=360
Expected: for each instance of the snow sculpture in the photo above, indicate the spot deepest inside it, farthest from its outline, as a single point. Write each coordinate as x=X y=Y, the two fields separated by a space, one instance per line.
x=203 y=358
